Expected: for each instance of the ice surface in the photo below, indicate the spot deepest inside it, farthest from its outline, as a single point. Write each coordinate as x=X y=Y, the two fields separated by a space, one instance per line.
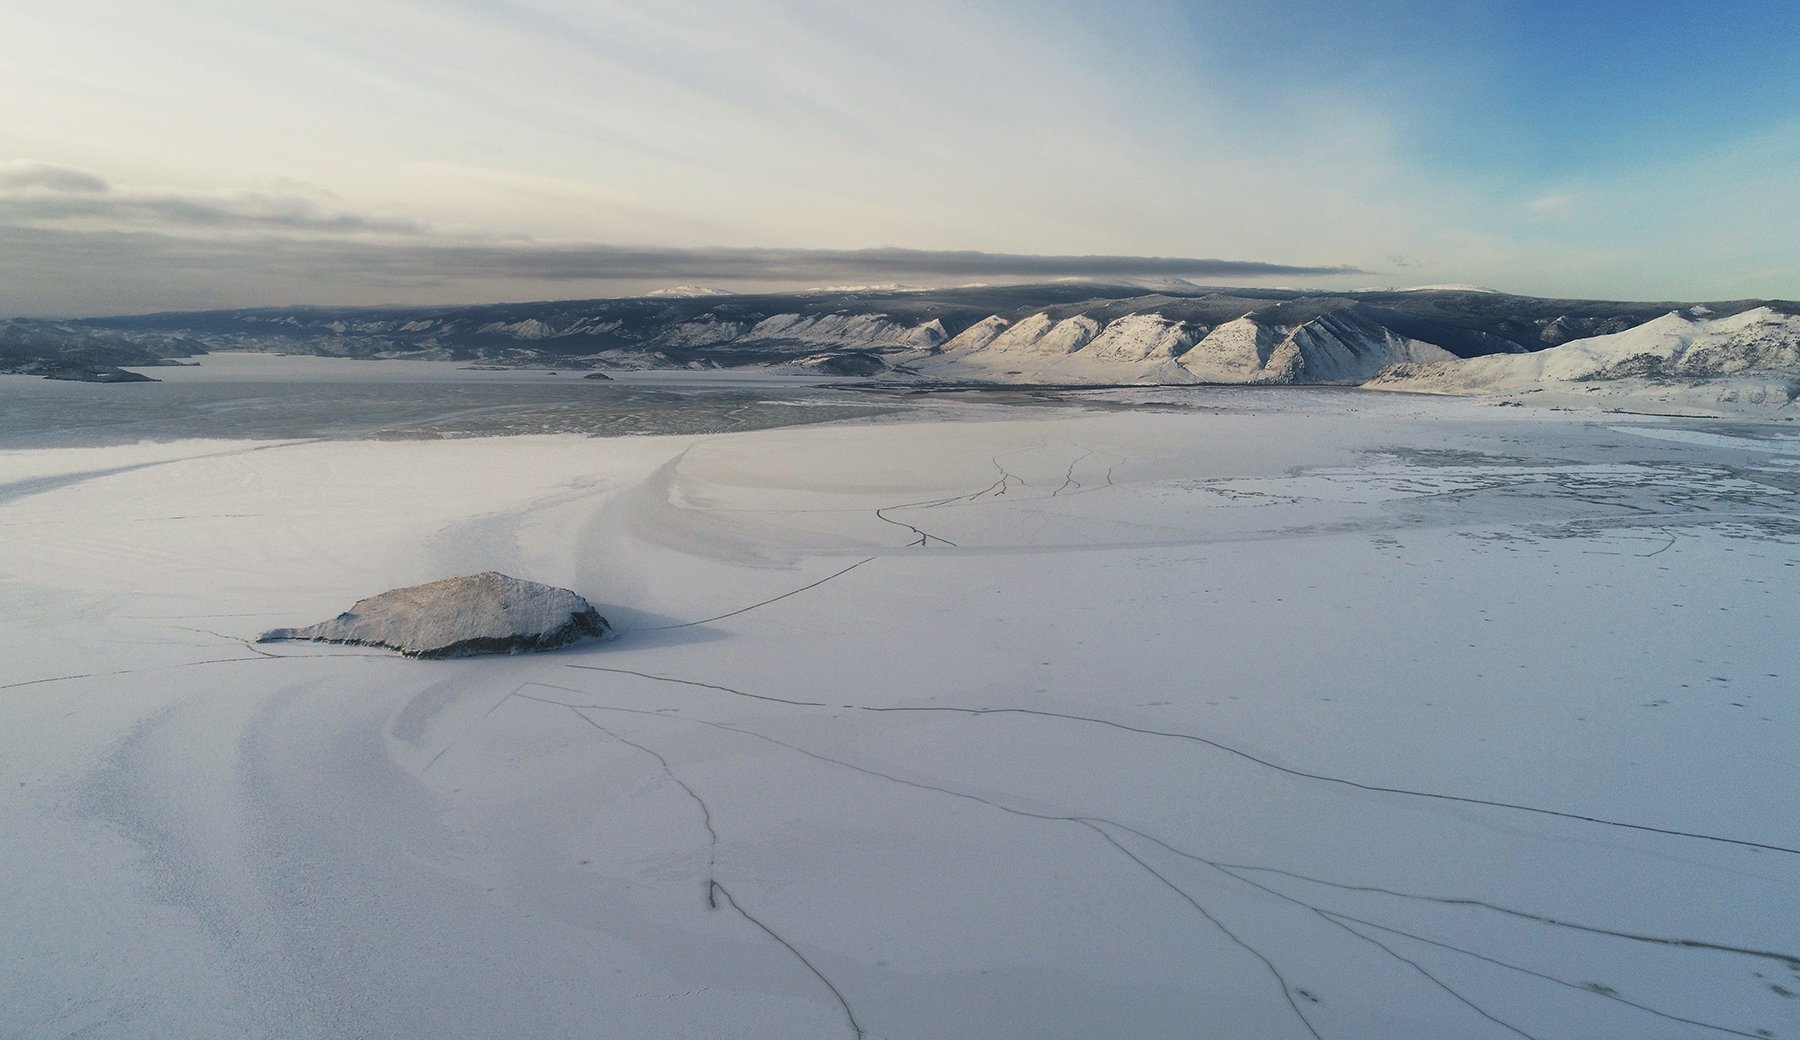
x=1246 y=712
x=270 y=396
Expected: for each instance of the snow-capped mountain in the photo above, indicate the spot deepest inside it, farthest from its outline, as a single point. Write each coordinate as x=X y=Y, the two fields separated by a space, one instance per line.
x=1678 y=345
x=1331 y=348
x=1152 y=347
x=1061 y=332
x=1686 y=357
x=1077 y=349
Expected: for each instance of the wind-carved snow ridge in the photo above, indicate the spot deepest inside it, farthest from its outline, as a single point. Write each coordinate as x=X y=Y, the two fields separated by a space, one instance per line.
x=703 y=332
x=1232 y=352
x=1042 y=334
x=1332 y=349
x=487 y=613
x=529 y=328
x=1327 y=349
x=977 y=335
x=1141 y=337
x=1076 y=349
x=1152 y=347
x=846 y=329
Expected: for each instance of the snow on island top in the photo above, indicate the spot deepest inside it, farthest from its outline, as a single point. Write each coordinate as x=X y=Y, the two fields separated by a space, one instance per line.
x=487 y=613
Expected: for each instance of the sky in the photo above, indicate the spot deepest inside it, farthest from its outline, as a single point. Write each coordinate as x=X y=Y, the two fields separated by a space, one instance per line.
x=212 y=153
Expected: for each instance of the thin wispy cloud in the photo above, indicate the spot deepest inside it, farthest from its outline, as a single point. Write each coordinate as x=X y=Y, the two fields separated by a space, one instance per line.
x=39 y=193
x=580 y=261
x=23 y=177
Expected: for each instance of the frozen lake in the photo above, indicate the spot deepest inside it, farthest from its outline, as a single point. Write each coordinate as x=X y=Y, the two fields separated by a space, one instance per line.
x=1327 y=715
x=274 y=396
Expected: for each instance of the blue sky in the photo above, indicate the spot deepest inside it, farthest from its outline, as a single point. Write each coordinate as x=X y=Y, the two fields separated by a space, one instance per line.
x=360 y=151
x=1537 y=89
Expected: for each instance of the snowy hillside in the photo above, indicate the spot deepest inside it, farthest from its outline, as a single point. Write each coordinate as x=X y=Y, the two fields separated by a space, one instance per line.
x=1685 y=358
x=1059 y=333
x=1134 y=348
x=1329 y=349
x=1152 y=348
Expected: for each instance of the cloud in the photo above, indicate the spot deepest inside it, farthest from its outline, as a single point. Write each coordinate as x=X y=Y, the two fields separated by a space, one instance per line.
x=22 y=175
x=1161 y=128
x=37 y=193
x=79 y=243
x=1550 y=204
x=586 y=261
x=323 y=267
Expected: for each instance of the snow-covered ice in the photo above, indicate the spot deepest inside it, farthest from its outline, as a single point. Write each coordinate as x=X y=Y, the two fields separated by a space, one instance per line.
x=1218 y=712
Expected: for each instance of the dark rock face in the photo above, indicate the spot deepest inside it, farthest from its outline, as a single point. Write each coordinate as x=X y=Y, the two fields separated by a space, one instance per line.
x=487 y=613
x=72 y=351
x=844 y=363
x=105 y=375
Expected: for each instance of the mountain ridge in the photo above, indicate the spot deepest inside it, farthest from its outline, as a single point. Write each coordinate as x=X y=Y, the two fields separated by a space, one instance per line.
x=1061 y=332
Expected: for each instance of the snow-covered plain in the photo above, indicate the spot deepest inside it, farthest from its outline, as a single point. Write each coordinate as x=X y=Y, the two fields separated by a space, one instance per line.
x=1223 y=713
